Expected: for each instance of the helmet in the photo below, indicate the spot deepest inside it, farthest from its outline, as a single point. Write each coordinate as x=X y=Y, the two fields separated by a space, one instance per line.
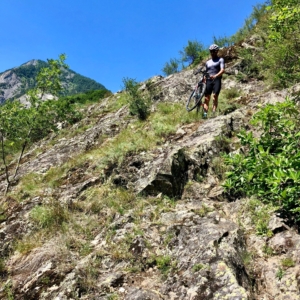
x=214 y=47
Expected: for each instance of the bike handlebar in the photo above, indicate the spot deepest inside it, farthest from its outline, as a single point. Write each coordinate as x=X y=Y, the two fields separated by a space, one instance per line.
x=203 y=72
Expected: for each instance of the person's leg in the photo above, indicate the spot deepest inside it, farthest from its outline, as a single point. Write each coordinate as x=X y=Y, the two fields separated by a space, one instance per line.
x=216 y=92
x=208 y=92
x=215 y=102
x=206 y=103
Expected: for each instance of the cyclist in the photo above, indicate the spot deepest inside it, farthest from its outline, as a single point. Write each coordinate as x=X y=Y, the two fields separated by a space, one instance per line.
x=215 y=68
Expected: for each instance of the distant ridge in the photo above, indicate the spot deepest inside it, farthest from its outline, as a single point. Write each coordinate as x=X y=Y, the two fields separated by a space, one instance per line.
x=15 y=82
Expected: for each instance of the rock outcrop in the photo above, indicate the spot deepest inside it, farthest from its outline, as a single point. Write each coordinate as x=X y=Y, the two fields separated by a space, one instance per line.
x=154 y=225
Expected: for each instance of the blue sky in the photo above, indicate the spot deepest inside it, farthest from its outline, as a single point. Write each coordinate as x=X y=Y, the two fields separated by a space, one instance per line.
x=107 y=40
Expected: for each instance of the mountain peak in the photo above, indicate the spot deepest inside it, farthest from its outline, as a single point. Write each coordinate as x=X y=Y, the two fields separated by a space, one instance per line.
x=15 y=82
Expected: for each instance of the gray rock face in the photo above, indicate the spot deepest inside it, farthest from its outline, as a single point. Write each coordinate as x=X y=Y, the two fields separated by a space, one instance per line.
x=9 y=83
x=168 y=233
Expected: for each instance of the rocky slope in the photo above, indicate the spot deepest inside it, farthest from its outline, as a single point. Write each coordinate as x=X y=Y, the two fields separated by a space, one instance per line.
x=100 y=211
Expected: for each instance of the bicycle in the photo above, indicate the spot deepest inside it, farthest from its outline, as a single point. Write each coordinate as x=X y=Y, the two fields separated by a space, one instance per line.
x=195 y=99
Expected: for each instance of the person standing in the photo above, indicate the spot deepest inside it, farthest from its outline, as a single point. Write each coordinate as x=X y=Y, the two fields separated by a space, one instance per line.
x=215 y=68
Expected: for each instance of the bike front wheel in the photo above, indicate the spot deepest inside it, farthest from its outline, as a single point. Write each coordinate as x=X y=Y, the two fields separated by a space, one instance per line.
x=196 y=96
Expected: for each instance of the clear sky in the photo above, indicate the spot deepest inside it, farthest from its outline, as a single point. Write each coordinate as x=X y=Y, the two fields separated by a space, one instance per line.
x=107 y=40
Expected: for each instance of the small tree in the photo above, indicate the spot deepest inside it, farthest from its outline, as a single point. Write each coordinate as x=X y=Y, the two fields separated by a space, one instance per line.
x=138 y=105
x=194 y=50
x=20 y=126
x=170 y=67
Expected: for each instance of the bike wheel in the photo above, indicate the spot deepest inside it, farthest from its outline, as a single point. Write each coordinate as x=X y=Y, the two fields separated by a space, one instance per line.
x=195 y=97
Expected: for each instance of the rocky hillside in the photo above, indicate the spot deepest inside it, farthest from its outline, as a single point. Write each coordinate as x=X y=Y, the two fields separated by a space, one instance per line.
x=16 y=81
x=117 y=208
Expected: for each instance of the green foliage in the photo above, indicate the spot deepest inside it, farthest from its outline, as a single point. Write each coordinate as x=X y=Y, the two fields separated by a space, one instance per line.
x=231 y=93
x=267 y=250
x=218 y=166
x=269 y=168
x=138 y=105
x=8 y=290
x=27 y=74
x=283 y=66
x=260 y=216
x=223 y=41
x=87 y=97
x=287 y=262
x=73 y=82
x=203 y=211
x=163 y=263
x=250 y=63
x=247 y=258
x=193 y=53
x=197 y=267
x=49 y=216
x=2 y=266
x=284 y=19
x=280 y=273
x=170 y=67
x=21 y=126
x=78 y=84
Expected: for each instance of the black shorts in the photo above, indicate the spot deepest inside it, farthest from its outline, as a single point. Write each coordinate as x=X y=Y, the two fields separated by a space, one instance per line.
x=213 y=86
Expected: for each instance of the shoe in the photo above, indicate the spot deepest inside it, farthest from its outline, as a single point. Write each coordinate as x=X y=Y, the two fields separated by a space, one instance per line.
x=205 y=115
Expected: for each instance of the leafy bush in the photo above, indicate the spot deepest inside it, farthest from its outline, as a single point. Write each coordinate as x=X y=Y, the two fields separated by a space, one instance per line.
x=269 y=168
x=283 y=66
x=232 y=93
x=170 y=67
x=138 y=105
x=20 y=126
x=193 y=51
x=249 y=65
x=223 y=41
x=287 y=262
x=88 y=97
x=49 y=216
x=192 y=54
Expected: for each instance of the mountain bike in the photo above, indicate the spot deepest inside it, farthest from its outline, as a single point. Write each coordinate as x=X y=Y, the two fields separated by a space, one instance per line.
x=195 y=100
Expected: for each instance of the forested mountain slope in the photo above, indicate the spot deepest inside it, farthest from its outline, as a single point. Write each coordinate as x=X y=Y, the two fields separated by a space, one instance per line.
x=15 y=82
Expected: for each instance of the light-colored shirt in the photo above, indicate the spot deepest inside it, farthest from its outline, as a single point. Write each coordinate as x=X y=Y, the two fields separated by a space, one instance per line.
x=213 y=66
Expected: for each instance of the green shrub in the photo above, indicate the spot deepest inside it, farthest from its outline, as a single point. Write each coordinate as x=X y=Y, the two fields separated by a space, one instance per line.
x=138 y=105
x=287 y=262
x=193 y=51
x=249 y=65
x=197 y=267
x=49 y=216
x=269 y=168
x=282 y=68
x=87 y=97
x=170 y=67
x=280 y=273
x=260 y=216
x=163 y=263
x=231 y=93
